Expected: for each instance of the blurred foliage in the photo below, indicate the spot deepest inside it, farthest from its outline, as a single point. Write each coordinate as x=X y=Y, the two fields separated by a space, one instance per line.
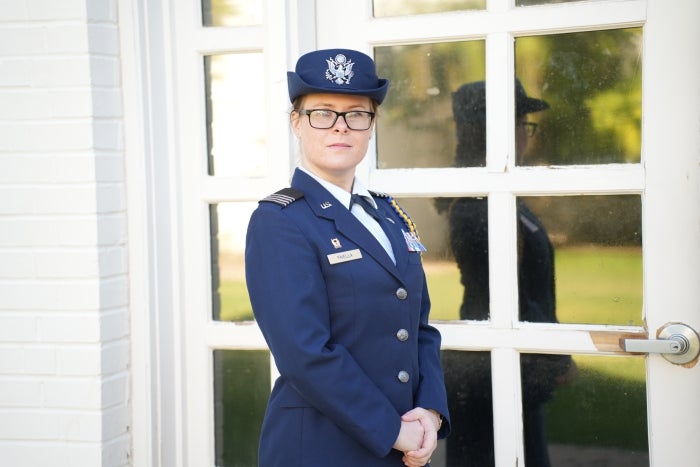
x=418 y=7
x=241 y=390
x=607 y=400
x=592 y=81
x=230 y=13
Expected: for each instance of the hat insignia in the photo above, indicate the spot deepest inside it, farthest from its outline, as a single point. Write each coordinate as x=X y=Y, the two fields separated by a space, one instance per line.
x=340 y=69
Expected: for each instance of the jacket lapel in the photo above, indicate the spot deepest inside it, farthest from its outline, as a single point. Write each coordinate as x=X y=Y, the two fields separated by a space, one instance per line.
x=326 y=206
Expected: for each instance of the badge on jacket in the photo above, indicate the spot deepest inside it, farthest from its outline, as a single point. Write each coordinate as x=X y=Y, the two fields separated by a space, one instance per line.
x=412 y=241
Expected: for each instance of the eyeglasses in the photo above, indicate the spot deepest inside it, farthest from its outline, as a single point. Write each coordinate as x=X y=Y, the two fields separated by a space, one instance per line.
x=322 y=119
x=530 y=127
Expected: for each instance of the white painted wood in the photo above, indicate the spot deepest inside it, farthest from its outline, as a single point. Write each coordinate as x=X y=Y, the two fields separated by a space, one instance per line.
x=671 y=153
x=173 y=413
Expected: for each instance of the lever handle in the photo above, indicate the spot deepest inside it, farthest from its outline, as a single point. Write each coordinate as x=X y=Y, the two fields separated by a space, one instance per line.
x=678 y=343
x=675 y=344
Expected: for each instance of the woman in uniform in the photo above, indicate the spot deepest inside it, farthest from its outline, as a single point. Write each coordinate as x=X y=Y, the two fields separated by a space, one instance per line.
x=336 y=282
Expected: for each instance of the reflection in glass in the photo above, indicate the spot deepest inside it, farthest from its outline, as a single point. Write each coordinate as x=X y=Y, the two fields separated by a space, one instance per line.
x=228 y=223
x=241 y=390
x=415 y=126
x=469 y=399
x=229 y=13
x=540 y=376
x=417 y=7
x=469 y=113
x=236 y=117
x=598 y=259
x=579 y=257
x=582 y=410
x=592 y=82
x=598 y=416
x=468 y=221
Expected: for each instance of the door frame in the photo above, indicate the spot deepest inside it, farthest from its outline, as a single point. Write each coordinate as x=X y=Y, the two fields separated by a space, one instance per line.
x=172 y=414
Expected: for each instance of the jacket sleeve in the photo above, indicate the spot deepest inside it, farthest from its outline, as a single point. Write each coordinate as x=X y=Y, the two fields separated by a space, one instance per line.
x=290 y=302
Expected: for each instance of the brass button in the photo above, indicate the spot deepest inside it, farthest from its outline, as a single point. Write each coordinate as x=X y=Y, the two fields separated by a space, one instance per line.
x=401 y=293
x=403 y=376
x=402 y=335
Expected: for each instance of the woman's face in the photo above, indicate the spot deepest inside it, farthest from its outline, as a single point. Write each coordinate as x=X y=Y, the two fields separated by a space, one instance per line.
x=521 y=140
x=333 y=153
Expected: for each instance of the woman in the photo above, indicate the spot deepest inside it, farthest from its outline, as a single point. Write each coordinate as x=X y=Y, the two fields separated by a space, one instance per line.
x=339 y=292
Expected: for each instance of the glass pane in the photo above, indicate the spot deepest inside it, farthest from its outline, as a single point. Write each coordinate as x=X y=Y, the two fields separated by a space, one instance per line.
x=579 y=411
x=415 y=127
x=596 y=416
x=544 y=2
x=230 y=13
x=442 y=274
x=594 y=244
x=228 y=223
x=235 y=107
x=468 y=221
x=592 y=82
x=469 y=399
x=417 y=7
x=241 y=390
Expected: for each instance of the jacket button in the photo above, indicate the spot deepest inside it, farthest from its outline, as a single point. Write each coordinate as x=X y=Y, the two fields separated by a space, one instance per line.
x=402 y=335
x=403 y=376
x=401 y=293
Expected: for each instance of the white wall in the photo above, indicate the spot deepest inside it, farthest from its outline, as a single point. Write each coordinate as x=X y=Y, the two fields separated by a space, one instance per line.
x=64 y=343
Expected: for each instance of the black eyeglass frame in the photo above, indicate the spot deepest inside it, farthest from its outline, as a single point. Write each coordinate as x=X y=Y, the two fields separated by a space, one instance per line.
x=530 y=128
x=308 y=113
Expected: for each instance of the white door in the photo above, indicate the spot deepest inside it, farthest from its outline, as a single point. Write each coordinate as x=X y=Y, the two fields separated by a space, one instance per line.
x=611 y=172
x=629 y=205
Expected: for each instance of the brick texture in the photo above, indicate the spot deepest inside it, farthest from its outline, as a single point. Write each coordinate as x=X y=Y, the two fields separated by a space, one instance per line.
x=64 y=342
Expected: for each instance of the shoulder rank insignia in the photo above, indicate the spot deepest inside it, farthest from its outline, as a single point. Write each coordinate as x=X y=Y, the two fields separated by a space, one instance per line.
x=284 y=197
x=378 y=194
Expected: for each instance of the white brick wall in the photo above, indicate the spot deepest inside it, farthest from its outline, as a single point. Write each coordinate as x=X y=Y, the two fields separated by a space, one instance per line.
x=64 y=342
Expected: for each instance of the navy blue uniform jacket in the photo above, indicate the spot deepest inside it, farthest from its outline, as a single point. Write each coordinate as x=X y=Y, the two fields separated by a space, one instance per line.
x=340 y=332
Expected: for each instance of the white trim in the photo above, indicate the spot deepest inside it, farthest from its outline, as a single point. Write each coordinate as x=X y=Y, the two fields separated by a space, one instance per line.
x=671 y=154
x=156 y=396
x=469 y=25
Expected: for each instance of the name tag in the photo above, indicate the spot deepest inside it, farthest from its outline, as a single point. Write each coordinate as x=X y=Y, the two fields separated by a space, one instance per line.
x=344 y=256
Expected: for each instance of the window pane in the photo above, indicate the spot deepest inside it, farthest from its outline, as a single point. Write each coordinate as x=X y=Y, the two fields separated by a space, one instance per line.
x=469 y=399
x=591 y=248
x=230 y=13
x=241 y=390
x=235 y=114
x=415 y=126
x=596 y=414
x=469 y=240
x=228 y=223
x=417 y=7
x=592 y=82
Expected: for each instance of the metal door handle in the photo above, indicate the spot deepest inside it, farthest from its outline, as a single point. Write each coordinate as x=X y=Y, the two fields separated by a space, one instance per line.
x=678 y=343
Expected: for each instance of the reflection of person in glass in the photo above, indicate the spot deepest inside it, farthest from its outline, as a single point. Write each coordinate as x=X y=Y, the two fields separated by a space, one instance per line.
x=468 y=374
x=336 y=281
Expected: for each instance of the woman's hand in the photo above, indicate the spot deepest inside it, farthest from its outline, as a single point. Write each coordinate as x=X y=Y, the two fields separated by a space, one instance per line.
x=410 y=436
x=430 y=422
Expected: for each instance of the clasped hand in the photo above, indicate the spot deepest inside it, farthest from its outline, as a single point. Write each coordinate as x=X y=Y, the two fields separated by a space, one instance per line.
x=418 y=436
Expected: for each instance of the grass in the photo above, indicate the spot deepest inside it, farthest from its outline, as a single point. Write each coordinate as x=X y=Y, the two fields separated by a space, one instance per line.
x=605 y=405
